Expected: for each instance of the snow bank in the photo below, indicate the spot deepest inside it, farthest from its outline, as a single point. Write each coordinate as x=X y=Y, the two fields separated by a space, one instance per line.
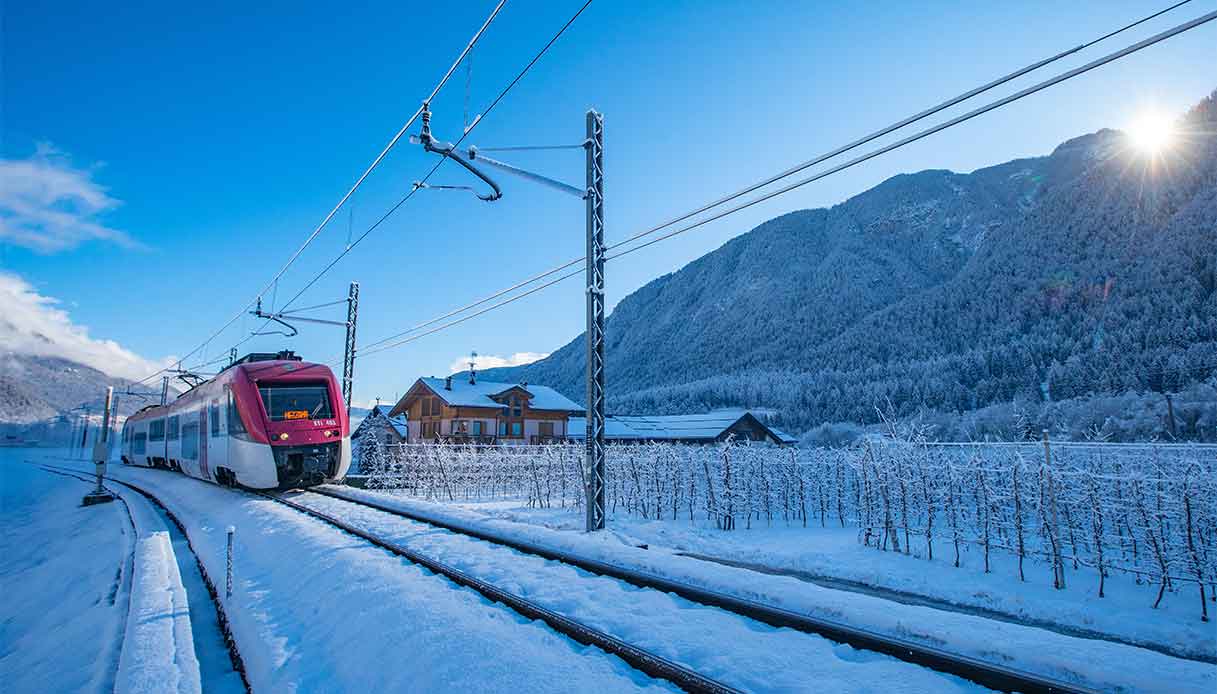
x=158 y=650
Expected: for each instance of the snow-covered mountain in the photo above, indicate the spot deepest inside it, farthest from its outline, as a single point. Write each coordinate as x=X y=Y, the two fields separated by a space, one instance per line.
x=1090 y=270
x=34 y=388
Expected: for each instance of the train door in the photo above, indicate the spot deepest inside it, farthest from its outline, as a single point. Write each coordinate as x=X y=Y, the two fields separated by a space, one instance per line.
x=204 y=443
x=224 y=455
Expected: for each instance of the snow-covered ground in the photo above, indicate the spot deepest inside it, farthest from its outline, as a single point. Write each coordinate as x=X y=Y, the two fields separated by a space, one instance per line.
x=316 y=610
x=65 y=575
x=113 y=585
x=731 y=649
x=1102 y=664
x=833 y=556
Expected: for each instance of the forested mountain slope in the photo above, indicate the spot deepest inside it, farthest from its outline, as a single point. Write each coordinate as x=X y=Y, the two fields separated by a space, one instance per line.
x=34 y=388
x=1091 y=270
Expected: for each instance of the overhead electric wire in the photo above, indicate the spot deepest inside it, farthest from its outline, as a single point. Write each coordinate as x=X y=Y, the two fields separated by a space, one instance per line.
x=444 y=157
x=772 y=179
x=894 y=127
x=366 y=351
x=853 y=162
x=929 y=131
x=375 y=163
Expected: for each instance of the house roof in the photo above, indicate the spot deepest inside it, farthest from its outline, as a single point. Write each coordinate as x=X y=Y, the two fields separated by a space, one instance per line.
x=679 y=427
x=480 y=394
x=781 y=435
x=398 y=422
x=399 y=425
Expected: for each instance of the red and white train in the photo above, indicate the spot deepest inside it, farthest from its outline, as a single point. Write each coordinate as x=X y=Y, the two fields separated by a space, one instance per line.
x=269 y=421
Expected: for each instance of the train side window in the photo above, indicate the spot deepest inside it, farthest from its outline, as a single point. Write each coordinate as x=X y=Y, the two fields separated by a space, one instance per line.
x=156 y=430
x=213 y=413
x=140 y=444
x=173 y=429
x=235 y=425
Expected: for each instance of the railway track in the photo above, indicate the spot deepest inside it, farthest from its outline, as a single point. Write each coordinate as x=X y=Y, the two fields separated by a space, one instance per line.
x=638 y=658
x=984 y=673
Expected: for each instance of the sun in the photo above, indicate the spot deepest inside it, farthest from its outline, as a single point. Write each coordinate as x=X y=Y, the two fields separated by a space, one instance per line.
x=1151 y=132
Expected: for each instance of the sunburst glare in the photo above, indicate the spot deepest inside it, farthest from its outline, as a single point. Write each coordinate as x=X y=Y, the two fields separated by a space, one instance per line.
x=1151 y=131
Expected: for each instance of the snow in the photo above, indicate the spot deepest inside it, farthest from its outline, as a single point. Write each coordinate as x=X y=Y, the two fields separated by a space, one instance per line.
x=1100 y=664
x=145 y=634
x=731 y=649
x=65 y=577
x=158 y=649
x=173 y=642
x=314 y=609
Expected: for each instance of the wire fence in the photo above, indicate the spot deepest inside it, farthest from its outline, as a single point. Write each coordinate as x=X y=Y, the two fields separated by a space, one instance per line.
x=1149 y=511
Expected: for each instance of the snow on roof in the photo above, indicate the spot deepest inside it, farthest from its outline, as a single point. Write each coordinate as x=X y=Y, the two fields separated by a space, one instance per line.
x=399 y=425
x=782 y=436
x=465 y=394
x=707 y=426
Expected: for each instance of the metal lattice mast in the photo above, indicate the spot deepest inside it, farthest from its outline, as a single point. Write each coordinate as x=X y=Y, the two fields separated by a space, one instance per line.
x=348 y=360
x=595 y=322
x=164 y=390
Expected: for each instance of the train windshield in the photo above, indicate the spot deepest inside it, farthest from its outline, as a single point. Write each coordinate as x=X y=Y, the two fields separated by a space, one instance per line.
x=296 y=401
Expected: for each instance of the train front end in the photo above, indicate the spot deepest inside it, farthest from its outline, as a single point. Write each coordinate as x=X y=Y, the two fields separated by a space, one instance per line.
x=306 y=422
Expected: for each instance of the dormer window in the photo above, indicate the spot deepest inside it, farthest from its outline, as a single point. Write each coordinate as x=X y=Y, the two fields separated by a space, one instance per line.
x=517 y=407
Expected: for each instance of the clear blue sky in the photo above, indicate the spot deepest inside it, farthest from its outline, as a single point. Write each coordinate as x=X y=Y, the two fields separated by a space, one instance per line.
x=228 y=130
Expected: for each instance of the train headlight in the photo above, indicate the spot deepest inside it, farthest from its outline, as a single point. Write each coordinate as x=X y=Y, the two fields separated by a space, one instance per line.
x=329 y=432
x=283 y=436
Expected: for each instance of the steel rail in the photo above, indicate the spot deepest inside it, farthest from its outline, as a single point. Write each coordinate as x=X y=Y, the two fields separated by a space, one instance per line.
x=640 y=659
x=984 y=673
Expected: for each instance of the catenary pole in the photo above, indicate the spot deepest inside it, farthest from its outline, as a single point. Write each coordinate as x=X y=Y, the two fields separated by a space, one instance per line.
x=348 y=361
x=595 y=322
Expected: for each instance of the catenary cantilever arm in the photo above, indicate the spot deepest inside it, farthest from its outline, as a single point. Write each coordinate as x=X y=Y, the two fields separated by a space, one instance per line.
x=449 y=150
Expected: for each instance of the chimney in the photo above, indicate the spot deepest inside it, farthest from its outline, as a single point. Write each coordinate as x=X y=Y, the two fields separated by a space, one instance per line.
x=473 y=374
x=447 y=383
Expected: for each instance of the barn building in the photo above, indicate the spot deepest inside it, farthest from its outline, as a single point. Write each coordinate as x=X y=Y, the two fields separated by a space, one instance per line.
x=469 y=410
x=712 y=427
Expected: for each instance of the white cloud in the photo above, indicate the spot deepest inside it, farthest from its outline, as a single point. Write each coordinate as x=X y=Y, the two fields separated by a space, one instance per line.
x=33 y=324
x=491 y=361
x=47 y=205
